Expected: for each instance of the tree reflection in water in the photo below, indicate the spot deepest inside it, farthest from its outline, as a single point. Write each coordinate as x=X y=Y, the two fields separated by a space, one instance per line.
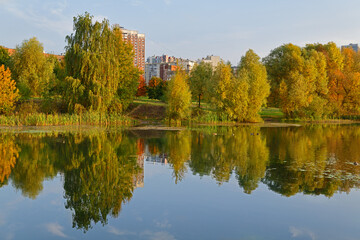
x=101 y=169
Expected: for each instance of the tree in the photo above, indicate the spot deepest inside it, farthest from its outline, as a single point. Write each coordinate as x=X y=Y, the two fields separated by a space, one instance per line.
x=8 y=91
x=254 y=73
x=141 y=90
x=4 y=57
x=178 y=97
x=31 y=69
x=199 y=80
x=156 y=88
x=230 y=94
x=97 y=56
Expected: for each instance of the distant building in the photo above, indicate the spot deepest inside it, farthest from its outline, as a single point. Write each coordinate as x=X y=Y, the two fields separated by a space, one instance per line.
x=165 y=66
x=138 y=41
x=58 y=57
x=355 y=47
x=213 y=60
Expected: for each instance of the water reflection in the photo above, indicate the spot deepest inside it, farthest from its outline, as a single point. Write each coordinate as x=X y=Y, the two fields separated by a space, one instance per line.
x=101 y=169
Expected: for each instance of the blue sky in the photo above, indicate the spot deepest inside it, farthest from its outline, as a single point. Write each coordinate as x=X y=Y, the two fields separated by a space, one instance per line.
x=190 y=28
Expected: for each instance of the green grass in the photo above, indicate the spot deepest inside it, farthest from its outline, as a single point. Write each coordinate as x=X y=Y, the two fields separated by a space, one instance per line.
x=146 y=100
x=271 y=113
x=88 y=118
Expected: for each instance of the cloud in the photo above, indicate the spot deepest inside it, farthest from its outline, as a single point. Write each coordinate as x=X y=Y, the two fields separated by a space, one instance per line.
x=162 y=224
x=10 y=236
x=167 y=2
x=158 y=235
x=50 y=16
x=297 y=232
x=56 y=229
x=136 y=2
x=118 y=232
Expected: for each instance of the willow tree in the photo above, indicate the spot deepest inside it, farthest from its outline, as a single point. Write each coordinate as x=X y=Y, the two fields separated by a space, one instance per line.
x=199 y=80
x=254 y=73
x=97 y=56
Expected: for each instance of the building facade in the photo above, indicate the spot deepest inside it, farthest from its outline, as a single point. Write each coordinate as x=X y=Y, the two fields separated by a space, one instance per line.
x=355 y=47
x=138 y=41
x=213 y=60
x=165 y=66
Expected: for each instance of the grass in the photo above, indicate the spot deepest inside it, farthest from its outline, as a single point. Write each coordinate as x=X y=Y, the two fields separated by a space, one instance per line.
x=271 y=113
x=146 y=100
x=89 y=118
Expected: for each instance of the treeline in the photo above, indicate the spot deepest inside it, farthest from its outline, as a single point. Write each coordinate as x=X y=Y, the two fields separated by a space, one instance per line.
x=314 y=82
x=96 y=75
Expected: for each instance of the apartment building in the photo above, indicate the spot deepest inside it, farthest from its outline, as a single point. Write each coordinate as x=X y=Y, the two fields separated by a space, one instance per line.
x=138 y=41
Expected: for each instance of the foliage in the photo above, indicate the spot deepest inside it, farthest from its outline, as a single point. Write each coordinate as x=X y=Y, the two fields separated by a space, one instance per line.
x=230 y=94
x=254 y=73
x=156 y=88
x=141 y=90
x=298 y=81
x=32 y=70
x=4 y=57
x=102 y=62
x=199 y=79
x=178 y=97
x=8 y=91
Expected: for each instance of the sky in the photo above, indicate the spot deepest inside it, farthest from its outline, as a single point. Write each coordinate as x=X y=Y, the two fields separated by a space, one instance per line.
x=189 y=29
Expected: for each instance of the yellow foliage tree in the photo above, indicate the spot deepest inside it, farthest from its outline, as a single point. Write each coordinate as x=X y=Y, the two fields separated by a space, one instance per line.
x=8 y=91
x=178 y=97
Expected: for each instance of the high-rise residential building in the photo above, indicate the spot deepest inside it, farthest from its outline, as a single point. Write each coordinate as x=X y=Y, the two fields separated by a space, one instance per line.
x=355 y=47
x=138 y=41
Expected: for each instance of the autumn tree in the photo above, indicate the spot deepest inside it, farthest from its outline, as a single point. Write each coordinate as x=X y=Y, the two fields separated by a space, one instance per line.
x=141 y=90
x=178 y=97
x=254 y=73
x=229 y=94
x=200 y=77
x=31 y=69
x=102 y=63
x=298 y=81
x=8 y=91
x=156 y=88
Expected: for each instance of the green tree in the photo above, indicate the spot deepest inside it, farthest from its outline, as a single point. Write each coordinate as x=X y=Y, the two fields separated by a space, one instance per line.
x=97 y=56
x=254 y=73
x=4 y=57
x=31 y=69
x=229 y=94
x=200 y=77
x=156 y=88
x=178 y=97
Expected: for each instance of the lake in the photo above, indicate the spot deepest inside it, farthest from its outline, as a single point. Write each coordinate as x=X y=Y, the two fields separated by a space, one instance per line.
x=205 y=183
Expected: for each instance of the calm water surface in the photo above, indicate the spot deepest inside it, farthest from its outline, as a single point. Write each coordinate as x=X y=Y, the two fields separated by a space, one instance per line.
x=219 y=183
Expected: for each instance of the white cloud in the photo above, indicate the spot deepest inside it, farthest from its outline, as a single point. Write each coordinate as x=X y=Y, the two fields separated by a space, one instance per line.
x=297 y=232
x=136 y=2
x=118 y=232
x=50 y=16
x=56 y=229
x=162 y=224
x=167 y=2
x=158 y=235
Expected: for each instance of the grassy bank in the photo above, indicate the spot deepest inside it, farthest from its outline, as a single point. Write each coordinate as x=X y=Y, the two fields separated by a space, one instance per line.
x=89 y=118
